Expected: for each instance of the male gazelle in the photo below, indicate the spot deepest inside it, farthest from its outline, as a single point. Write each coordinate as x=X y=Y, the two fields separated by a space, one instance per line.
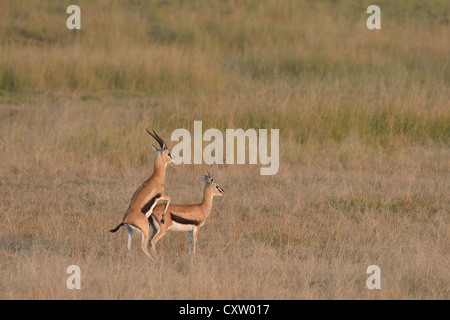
x=185 y=217
x=146 y=197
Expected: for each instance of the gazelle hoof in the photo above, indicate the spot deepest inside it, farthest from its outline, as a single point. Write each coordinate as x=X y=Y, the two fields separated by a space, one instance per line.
x=162 y=221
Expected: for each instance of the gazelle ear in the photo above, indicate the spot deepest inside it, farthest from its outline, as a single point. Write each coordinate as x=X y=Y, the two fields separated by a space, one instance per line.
x=153 y=147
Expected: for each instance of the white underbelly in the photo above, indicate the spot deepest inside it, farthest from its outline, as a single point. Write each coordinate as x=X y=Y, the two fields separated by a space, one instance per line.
x=181 y=227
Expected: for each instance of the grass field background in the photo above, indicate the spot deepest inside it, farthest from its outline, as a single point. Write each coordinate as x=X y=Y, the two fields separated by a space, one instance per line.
x=364 y=119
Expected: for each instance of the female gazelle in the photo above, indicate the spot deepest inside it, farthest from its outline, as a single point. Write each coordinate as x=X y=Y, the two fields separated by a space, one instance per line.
x=184 y=217
x=146 y=197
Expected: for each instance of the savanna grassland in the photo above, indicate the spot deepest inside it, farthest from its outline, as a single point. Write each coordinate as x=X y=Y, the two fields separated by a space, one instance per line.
x=364 y=119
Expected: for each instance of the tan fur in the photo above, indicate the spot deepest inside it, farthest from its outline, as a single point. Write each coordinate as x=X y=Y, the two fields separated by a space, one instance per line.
x=152 y=187
x=194 y=212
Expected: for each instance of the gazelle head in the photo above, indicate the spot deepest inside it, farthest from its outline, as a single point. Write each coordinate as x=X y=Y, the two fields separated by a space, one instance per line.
x=215 y=188
x=162 y=154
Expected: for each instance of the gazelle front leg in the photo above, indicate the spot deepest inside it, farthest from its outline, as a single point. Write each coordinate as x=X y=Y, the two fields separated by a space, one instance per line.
x=193 y=234
x=167 y=200
x=191 y=240
x=162 y=198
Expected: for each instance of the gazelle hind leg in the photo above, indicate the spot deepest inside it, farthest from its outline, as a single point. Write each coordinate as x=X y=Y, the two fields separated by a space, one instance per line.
x=130 y=232
x=144 y=243
x=144 y=237
x=155 y=231
x=155 y=240
x=162 y=230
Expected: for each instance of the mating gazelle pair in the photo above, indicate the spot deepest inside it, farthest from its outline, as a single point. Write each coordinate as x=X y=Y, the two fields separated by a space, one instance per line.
x=144 y=213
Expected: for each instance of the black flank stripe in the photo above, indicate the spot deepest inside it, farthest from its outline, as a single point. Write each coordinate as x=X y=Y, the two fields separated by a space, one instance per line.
x=150 y=203
x=183 y=220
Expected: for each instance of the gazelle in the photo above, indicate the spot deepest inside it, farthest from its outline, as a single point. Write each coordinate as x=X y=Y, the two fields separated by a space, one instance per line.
x=184 y=217
x=147 y=196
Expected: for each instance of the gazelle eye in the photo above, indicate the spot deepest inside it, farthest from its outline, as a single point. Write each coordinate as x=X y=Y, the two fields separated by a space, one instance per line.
x=217 y=187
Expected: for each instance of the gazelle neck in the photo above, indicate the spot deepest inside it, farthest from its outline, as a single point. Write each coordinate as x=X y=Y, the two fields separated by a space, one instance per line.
x=159 y=171
x=207 y=199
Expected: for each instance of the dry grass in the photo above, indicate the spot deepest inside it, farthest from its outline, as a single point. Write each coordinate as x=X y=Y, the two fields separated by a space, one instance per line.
x=308 y=232
x=364 y=132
